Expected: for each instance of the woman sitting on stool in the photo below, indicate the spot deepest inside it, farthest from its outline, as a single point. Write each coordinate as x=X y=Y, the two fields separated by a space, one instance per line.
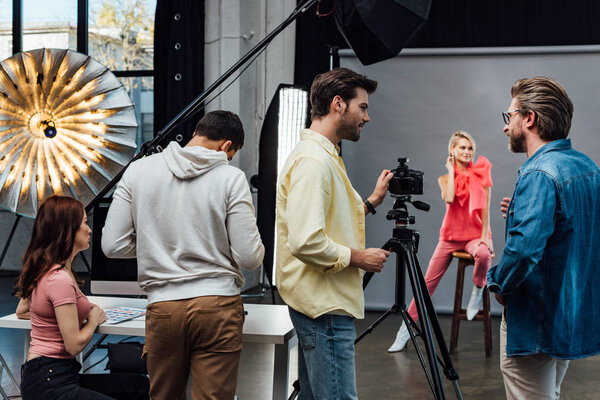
x=62 y=319
x=466 y=225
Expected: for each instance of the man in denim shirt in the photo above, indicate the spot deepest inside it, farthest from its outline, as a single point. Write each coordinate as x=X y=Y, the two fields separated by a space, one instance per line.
x=548 y=272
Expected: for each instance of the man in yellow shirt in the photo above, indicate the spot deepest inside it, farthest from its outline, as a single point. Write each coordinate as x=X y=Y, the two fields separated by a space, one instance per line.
x=321 y=255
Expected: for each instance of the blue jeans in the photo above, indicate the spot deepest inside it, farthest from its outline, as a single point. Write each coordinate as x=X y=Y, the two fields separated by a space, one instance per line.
x=325 y=356
x=58 y=379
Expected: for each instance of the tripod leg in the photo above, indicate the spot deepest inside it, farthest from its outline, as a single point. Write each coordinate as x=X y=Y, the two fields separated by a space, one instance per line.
x=418 y=296
x=448 y=366
x=413 y=337
x=10 y=236
x=374 y=324
x=446 y=361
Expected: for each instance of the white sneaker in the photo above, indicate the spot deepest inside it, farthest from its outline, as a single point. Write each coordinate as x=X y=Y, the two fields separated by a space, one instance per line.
x=474 y=302
x=401 y=339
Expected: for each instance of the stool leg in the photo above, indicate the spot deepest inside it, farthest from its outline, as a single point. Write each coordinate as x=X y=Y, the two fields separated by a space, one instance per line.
x=487 y=322
x=458 y=294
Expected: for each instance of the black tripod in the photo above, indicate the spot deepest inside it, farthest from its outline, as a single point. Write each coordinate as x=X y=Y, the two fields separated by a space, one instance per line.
x=405 y=243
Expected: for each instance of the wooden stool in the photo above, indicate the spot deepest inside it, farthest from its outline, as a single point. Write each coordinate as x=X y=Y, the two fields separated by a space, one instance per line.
x=460 y=314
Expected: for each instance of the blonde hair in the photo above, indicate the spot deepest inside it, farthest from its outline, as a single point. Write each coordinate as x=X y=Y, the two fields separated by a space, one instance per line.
x=456 y=136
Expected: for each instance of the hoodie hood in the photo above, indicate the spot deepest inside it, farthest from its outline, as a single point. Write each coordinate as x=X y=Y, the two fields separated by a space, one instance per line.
x=190 y=162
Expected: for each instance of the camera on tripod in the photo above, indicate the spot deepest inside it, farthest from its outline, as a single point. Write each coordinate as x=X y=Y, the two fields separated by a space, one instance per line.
x=406 y=181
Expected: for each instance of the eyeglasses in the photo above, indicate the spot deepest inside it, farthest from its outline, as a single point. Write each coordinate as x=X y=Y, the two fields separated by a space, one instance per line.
x=506 y=116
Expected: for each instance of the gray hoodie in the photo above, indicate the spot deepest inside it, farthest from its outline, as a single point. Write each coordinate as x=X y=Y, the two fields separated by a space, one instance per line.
x=188 y=217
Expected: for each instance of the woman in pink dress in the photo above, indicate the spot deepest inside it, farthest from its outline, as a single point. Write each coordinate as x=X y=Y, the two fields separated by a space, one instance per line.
x=62 y=319
x=466 y=226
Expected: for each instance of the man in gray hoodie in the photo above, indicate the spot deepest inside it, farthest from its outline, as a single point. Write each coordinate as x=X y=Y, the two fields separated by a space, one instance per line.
x=187 y=215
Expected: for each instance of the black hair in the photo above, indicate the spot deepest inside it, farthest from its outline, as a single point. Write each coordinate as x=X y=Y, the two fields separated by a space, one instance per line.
x=219 y=125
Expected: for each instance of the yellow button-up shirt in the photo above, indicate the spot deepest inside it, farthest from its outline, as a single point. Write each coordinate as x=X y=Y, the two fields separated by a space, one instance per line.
x=320 y=217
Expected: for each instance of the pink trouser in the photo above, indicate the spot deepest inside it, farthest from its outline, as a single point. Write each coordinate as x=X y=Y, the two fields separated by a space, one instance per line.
x=441 y=259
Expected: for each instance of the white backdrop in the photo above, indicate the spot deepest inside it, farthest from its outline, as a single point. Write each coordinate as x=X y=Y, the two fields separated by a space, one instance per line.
x=424 y=95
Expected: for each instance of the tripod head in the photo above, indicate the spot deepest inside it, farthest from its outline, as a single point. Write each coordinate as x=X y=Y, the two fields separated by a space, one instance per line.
x=399 y=211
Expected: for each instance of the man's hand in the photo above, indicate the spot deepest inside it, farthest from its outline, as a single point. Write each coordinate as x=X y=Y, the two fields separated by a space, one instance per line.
x=500 y=299
x=504 y=206
x=381 y=187
x=371 y=260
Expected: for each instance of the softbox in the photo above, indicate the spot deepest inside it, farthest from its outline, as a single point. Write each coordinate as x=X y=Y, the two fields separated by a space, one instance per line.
x=378 y=29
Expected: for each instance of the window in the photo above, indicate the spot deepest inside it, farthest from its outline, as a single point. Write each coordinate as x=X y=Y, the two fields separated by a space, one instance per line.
x=6 y=30
x=121 y=37
x=141 y=92
x=50 y=24
x=121 y=33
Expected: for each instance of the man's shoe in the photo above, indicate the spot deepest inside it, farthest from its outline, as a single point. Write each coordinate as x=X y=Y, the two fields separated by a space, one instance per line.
x=401 y=338
x=474 y=302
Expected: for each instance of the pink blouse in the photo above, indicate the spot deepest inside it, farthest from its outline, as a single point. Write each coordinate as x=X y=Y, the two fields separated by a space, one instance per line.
x=463 y=219
x=54 y=289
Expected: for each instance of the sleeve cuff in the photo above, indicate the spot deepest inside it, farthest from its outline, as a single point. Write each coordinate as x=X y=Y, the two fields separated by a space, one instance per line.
x=343 y=260
x=492 y=286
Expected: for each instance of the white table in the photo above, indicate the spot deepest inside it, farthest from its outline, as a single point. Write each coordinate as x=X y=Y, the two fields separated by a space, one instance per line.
x=265 y=323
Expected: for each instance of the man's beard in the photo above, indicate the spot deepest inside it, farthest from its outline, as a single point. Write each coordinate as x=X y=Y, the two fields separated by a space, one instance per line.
x=348 y=130
x=516 y=142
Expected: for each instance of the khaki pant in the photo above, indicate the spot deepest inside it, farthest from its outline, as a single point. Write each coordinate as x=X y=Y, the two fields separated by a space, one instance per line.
x=533 y=377
x=201 y=336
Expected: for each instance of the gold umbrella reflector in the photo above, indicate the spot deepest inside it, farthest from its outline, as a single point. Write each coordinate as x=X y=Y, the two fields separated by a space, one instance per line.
x=67 y=126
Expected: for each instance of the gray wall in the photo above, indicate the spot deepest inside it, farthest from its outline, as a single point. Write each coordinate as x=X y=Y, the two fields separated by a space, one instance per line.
x=423 y=97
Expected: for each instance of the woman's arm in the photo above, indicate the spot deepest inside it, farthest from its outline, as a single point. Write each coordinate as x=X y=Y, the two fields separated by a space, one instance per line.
x=76 y=339
x=446 y=182
x=485 y=219
x=23 y=309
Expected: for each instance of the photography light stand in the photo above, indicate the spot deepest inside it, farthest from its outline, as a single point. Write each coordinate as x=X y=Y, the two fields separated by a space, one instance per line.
x=405 y=243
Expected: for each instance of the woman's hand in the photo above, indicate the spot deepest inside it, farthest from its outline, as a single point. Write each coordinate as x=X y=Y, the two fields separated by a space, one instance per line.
x=96 y=315
x=504 y=206
x=450 y=164
x=488 y=243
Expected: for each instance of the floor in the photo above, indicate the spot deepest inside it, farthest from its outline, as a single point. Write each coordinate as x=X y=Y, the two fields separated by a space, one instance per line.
x=380 y=375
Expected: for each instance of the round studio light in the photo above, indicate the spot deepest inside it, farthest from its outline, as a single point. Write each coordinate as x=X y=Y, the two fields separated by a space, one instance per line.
x=67 y=126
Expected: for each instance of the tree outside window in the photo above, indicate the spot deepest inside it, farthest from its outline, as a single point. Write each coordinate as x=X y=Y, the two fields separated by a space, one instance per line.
x=121 y=36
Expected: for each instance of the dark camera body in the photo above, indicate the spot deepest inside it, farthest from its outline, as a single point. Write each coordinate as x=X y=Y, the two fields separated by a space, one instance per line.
x=406 y=180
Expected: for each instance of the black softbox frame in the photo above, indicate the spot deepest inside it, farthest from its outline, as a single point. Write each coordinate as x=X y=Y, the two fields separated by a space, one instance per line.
x=378 y=29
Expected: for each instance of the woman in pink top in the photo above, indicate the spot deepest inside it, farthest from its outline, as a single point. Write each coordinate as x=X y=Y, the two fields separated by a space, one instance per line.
x=62 y=319
x=466 y=226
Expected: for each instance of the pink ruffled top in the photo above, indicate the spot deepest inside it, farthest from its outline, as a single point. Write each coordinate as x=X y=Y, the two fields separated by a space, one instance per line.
x=463 y=219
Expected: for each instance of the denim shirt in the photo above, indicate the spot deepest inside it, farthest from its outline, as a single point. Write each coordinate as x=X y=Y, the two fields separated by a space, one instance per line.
x=549 y=270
